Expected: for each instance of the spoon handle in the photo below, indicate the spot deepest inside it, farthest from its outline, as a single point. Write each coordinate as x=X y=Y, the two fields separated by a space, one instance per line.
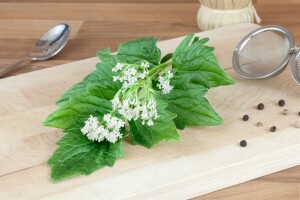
x=12 y=66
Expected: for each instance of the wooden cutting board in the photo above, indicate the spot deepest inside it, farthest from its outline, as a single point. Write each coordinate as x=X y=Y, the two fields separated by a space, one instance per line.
x=205 y=160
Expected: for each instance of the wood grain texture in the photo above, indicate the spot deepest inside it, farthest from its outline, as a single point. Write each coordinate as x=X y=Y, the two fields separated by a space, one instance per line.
x=26 y=144
x=98 y=24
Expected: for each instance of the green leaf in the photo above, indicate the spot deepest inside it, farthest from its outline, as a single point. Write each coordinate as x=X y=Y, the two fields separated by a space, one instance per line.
x=104 y=54
x=163 y=129
x=200 y=42
x=79 y=108
x=76 y=155
x=103 y=75
x=196 y=39
x=166 y=58
x=182 y=47
x=188 y=102
x=73 y=91
x=143 y=48
x=199 y=60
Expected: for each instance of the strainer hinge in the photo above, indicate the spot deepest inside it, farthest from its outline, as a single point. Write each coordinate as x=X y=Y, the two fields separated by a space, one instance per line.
x=294 y=50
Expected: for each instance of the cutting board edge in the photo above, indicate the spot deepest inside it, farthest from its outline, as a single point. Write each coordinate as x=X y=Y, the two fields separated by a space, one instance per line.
x=208 y=181
x=232 y=181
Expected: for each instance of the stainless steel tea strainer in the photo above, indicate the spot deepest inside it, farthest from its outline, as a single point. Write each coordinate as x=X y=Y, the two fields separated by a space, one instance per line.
x=265 y=53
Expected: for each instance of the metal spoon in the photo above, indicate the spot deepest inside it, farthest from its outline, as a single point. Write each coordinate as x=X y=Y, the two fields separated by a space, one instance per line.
x=46 y=47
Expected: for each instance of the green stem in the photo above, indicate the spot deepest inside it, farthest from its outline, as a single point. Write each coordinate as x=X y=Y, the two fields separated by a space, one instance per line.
x=158 y=68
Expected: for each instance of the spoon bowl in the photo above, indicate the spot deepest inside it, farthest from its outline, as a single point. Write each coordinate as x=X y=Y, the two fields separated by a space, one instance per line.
x=50 y=43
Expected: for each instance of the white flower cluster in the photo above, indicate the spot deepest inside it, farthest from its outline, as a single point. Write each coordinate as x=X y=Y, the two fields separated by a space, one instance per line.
x=132 y=107
x=164 y=82
x=135 y=100
x=110 y=130
x=131 y=73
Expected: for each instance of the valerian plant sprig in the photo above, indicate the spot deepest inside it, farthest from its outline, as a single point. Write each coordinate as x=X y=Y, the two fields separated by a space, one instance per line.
x=155 y=96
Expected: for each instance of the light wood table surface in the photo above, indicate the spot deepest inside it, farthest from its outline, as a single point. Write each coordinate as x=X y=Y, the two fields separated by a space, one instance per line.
x=97 y=24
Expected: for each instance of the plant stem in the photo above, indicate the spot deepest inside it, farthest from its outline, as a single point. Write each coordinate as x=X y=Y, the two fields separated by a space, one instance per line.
x=158 y=68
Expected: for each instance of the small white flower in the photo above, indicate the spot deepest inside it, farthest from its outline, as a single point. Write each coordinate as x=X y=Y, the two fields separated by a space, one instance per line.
x=143 y=75
x=118 y=67
x=144 y=112
x=129 y=77
x=115 y=78
x=107 y=117
x=170 y=74
x=164 y=85
x=100 y=131
x=90 y=125
x=150 y=123
x=131 y=73
x=110 y=130
x=128 y=104
x=113 y=136
x=145 y=65
x=115 y=102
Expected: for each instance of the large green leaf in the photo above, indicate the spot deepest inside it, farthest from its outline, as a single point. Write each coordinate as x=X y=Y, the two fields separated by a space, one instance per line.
x=188 y=102
x=163 y=129
x=78 y=155
x=199 y=60
x=102 y=75
x=80 y=107
x=144 y=48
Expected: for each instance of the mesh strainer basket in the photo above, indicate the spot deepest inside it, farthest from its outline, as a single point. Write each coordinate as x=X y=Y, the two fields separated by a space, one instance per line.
x=265 y=53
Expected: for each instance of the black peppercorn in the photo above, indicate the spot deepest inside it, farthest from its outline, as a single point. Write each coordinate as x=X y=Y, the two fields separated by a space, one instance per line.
x=299 y=113
x=246 y=117
x=243 y=143
x=260 y=106
x=273 y=129
x=281 y=102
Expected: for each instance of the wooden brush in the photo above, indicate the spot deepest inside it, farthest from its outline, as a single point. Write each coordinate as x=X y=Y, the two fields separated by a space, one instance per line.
x=217 y=13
